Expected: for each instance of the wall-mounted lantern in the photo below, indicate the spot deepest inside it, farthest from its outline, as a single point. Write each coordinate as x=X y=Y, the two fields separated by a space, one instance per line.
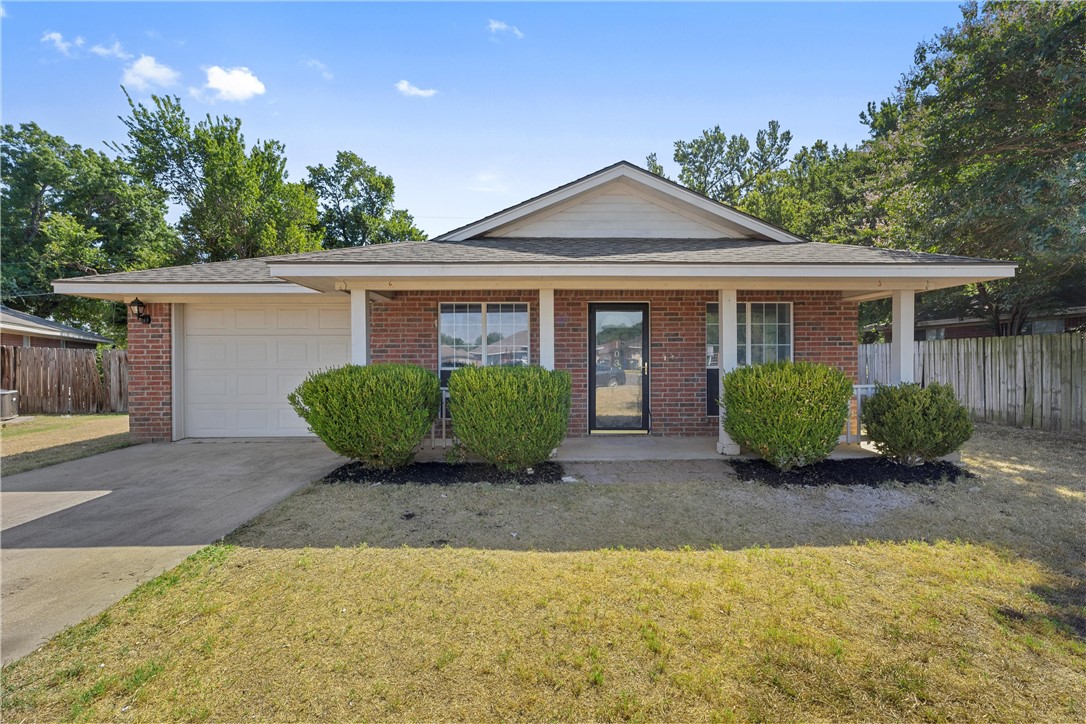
x=139 y=310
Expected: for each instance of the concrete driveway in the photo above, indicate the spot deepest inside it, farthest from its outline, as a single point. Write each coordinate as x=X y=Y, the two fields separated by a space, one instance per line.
x=79 y=536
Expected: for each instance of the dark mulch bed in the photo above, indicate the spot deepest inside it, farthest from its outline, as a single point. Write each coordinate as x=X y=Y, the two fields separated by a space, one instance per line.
x=444 y=474
x=871 y=472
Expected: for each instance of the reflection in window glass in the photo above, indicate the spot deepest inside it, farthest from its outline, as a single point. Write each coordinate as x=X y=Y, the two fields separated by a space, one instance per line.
x=482 y=334
x=507 y=334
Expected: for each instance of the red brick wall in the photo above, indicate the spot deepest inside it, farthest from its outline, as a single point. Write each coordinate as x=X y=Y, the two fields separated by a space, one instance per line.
x=676 y=356
x=405 y=329
x=11 y=340
x=824 y=326
x=150 y=384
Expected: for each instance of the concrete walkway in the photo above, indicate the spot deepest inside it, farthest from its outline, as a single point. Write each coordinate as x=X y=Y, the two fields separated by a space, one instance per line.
x=79 y=536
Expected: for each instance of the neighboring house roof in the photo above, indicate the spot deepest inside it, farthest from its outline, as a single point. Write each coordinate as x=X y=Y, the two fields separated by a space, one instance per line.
x=616 y=224
x=14 y=322
x=1070 y=312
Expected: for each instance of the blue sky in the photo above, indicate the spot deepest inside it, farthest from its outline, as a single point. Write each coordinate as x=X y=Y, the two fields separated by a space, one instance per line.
x=470 y=107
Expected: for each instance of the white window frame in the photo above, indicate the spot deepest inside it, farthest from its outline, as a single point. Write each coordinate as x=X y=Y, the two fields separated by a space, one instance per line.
x=483 y=333
x=747 y=329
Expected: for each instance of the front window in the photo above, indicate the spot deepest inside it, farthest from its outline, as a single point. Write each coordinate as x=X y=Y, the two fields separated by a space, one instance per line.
x=482 y=334
x=763 y=334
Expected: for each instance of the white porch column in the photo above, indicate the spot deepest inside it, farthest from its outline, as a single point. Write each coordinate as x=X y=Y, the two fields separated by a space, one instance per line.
x=360 y=342
x=546 y=328
x=901 y=346
x=728 y=358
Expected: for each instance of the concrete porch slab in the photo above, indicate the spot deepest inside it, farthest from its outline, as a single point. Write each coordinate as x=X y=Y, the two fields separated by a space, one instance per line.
x=625 y=448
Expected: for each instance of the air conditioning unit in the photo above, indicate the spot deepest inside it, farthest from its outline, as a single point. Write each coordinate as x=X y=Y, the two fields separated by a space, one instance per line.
x=9 y=404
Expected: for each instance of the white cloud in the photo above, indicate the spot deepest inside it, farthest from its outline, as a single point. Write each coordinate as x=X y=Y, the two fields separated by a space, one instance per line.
x=319 y=67
x=113 y=51
x=490 y=183
x=233 y=84
x=63 y=46
x=497 y=26
x=148 y=72
x=407 y=89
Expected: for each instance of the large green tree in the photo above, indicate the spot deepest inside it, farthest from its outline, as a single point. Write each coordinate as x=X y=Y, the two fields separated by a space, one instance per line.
x=69 y=211
x=236 y=202
x=356 y=204
x=988 y=141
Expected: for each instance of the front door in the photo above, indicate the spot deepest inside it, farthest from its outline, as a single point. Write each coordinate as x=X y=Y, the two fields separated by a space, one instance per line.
x=618 y=368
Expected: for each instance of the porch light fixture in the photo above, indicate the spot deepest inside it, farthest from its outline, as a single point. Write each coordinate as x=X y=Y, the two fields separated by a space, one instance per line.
x=138 y=310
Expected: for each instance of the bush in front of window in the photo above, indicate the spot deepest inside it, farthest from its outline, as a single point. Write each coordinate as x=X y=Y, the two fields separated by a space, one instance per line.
x=913 y=425
x=377 y=413
x=512 y=417
x=789 y=413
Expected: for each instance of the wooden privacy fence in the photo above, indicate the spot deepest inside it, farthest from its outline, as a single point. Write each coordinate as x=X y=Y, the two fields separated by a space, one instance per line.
x=1030 y=381
x=65 y=381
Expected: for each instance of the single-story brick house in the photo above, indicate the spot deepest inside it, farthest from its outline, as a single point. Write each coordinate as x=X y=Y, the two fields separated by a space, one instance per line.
x=20 y=329
x=623 y=278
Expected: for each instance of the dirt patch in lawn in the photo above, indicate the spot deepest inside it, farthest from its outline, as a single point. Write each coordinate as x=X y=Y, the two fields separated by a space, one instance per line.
x=1029 y=496
x=51 y=439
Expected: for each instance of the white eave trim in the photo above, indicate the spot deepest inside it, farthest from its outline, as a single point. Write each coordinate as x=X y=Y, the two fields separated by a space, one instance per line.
x=634 y=175
x=783 y=271
x=173 y=289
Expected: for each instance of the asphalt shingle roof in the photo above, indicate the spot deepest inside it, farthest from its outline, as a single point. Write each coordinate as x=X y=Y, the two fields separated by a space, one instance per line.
x=47 y=327
x=507 y=250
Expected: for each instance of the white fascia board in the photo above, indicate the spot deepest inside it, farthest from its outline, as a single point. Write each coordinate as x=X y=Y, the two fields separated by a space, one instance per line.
x=635 y=175
x=783 y=271
x=108 y=290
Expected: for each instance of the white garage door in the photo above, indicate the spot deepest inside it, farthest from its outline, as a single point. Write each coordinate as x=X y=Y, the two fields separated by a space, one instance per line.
x=242 y=360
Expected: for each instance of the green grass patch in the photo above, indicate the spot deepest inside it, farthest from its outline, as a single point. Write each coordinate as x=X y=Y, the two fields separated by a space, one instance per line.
x=51 y=439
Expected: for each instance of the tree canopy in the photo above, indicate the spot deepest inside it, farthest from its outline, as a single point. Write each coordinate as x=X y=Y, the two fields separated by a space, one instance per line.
x=236 y=202
x=69 y=211
x=980 y=152
x=356 y=204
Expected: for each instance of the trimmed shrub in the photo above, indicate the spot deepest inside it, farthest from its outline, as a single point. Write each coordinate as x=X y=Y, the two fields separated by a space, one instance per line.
x=376 y=414
x=913 y=425
x=512 y=417
x=790 y=413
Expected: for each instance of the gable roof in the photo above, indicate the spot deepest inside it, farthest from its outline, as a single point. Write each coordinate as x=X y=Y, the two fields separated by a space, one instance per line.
x=15 y=322
x=623 y=171
x=723 y=244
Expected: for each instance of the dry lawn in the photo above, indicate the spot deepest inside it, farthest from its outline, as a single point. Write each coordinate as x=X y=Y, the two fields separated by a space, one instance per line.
x=1029 y=497
x=51 y=439
x=991 y=626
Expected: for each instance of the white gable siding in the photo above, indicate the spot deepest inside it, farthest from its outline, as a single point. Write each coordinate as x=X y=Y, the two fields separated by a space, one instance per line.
x=616 y=213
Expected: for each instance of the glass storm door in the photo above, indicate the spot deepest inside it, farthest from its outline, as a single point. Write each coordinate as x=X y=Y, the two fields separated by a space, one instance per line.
x=618 y=369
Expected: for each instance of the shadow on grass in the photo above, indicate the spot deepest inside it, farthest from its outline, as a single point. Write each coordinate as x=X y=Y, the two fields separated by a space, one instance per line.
x=34 y=459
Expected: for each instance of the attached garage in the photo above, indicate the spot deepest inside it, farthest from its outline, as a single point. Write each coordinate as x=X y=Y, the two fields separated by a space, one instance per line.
x=241 y=360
